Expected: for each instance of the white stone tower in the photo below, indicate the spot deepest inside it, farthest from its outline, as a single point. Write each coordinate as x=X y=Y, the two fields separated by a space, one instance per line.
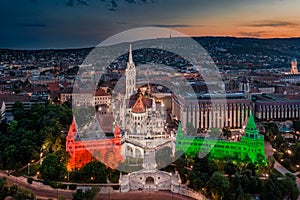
x=130 y=74
x=294 y=69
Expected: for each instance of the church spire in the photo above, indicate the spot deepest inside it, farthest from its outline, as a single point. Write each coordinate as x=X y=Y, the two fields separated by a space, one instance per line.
x=130 y=60
x=130 y=74
x=179 y=133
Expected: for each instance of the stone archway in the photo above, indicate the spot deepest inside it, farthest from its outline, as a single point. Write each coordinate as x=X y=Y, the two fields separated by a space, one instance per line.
x=149 y=180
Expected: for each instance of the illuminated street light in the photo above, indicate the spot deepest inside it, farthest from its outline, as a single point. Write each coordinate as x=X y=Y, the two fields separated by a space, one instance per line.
x=28 y=165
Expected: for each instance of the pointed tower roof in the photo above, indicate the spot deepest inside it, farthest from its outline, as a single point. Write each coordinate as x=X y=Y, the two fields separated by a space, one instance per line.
x=251 y=126
x=179 y=127
x=139 y=106
x=117 y=131
x=244 y=79
x=179 y=132
x=73 y=128
x=130 y=60
x=74 y=124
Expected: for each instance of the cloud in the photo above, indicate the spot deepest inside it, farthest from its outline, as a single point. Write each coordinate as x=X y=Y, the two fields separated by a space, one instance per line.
x=130 y=1
x=111 y=5
x=82 y=2
x=32 y=25
x=79 y=2
x=272 y=23
x=174 y=25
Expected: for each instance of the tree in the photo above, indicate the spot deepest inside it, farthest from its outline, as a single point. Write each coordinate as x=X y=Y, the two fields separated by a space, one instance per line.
x=297 y=125
x=227 y=132
x=271 y=189
x=20 y=193
x=288 y=187
x=230 y=169
x=283 y=188
x=94 y=170
x=33 y=131
x=203 y=169
x=270 y=163
x=78 y=195
x=52 y=168
x=239 y=187
x=9 y=156
x=218 y=185
x=3 y=189
x=89 y=194
x=18 y=110
x=251 y=166
x=12 y=128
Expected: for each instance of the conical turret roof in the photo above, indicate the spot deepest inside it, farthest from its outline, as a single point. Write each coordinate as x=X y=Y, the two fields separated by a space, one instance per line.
x=117 y=131
x=179 y=132
x=251 y=125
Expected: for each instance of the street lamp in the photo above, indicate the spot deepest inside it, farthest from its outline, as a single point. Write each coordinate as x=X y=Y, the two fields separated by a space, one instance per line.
x=28 y=168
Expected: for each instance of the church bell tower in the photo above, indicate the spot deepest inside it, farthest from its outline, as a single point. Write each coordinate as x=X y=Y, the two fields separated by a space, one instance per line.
x=294 y=69
x=130 y=74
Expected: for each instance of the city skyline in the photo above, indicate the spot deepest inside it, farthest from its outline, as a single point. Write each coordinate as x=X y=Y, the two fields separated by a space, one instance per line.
x=36 y=24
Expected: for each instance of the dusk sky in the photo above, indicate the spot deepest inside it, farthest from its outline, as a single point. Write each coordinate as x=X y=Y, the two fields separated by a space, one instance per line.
x=30 y=24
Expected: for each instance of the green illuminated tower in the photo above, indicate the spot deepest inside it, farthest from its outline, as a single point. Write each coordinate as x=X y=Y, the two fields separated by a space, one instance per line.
x=179 y=133
x=249 y=149
x=253 y=142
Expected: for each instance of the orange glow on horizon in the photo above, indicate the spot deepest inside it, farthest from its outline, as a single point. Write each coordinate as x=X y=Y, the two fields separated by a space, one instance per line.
x=261 y=32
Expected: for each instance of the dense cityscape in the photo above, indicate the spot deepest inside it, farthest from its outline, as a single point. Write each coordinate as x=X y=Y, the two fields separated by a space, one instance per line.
x=149 y=99
x=249 y=141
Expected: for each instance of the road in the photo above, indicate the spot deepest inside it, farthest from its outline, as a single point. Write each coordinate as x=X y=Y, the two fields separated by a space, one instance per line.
x=40 y=190
x=142 y=195
x=45 y=192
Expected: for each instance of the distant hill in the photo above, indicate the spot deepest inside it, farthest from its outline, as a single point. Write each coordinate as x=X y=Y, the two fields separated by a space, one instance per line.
x=227 y=52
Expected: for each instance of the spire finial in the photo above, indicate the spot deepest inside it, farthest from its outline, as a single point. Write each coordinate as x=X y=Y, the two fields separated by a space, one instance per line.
x=130 y=54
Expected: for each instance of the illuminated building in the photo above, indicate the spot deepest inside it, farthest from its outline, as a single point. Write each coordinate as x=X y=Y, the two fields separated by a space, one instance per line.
x=250 y=146
x=81 y=151
x=293 y=76
x=276 y=107
x=294 y=69
x=230 y=112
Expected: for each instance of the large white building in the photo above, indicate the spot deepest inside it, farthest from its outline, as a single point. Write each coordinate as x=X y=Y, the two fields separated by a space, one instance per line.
x=203 y=114
x=139 y=114
x=142 y=118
